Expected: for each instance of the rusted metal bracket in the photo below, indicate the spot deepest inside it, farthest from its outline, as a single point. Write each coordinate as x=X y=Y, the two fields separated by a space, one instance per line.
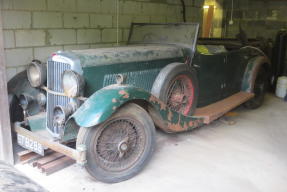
x=79 y=154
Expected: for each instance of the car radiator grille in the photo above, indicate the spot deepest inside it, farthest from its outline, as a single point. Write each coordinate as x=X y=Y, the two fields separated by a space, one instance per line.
x=54 y=83
x=143 y=79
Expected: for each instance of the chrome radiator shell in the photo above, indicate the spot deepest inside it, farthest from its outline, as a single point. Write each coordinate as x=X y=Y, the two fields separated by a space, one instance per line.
x=54 y=82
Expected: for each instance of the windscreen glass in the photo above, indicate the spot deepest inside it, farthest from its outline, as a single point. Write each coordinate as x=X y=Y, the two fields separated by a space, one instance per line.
x=185 y=34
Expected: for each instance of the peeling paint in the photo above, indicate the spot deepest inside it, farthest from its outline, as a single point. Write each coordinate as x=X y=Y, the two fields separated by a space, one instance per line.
x=170 y=115
x=190 y=124
x=168 y=120
x=124 y=93
x=153 y=99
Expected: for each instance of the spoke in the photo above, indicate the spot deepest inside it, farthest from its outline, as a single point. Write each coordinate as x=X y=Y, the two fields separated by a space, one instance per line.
x=179 y=94
x=170 y=92
x=109 y=149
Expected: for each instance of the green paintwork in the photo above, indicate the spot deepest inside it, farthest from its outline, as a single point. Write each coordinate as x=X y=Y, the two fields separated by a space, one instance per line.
x=18 y=85
x=236 y=62
x=71 y=131
x=126 y=54
x=251 y=71
x=102 y=104
x=213 y=70
x=138 y=74
x=220 y=74
x=210 y=77
x=37 y=122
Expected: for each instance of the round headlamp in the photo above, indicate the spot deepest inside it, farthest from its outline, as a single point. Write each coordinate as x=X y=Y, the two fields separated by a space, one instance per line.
x=72 y=83
x=41 y=99
x=59 y=115
x=36 y=73
x=25 y=101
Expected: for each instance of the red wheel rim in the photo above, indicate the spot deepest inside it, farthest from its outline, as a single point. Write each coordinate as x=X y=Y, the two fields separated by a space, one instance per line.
x=180 y=94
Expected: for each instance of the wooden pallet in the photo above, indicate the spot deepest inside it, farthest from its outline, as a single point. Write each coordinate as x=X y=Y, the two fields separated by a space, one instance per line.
x=48 y=164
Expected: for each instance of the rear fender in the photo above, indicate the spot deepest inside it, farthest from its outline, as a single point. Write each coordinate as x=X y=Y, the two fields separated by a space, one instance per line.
x=102 y=104
x=251 y=71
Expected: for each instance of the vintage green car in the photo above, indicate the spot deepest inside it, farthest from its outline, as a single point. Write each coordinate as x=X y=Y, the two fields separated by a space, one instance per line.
x=109 y=100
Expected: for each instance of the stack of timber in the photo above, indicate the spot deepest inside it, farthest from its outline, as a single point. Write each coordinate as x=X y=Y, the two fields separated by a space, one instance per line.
x=48 y=164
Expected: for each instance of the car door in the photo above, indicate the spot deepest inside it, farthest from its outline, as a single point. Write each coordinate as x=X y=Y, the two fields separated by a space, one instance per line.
x=234 y=69
x=211 y=76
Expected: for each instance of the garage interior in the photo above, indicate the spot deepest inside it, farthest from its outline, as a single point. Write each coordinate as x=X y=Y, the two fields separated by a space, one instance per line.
x=244 y=150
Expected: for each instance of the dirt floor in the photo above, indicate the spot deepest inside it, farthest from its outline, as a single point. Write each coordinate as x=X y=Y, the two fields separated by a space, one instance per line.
x=250 y=155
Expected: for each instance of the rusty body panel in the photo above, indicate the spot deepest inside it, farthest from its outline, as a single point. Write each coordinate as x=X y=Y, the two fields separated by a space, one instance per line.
x=165 y=118
x=111 y=98
x=225 y=80
x=101 y=105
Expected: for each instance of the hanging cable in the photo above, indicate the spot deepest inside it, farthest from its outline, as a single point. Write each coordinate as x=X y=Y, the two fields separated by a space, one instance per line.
x=231 y=15
x=183 y=11
x=117 y=15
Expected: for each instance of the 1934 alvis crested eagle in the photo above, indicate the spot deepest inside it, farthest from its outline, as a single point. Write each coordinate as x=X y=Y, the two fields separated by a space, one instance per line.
x=109 y=100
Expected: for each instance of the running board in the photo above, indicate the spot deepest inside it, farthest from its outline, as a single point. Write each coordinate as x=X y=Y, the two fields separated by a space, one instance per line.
x=214 y=111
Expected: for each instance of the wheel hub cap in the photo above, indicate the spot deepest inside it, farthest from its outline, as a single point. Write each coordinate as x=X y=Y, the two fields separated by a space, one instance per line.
x=123 y=146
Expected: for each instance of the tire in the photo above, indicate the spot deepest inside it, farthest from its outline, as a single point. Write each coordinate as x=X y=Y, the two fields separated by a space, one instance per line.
x=164 y=87
x=121 y=157
x=260 y=87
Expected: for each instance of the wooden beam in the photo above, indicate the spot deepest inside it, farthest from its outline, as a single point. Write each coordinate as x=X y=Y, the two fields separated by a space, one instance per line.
x=6 y=148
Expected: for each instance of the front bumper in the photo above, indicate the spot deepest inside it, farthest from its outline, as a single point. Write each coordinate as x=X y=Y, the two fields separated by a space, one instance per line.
x=79 y=154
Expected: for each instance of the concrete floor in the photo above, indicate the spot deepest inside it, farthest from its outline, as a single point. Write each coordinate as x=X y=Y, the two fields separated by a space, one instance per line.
x=250 y=155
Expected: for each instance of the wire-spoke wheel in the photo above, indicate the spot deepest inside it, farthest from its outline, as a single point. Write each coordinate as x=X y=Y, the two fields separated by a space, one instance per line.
x=121 y=146
x=177 y=86
x=180 y=94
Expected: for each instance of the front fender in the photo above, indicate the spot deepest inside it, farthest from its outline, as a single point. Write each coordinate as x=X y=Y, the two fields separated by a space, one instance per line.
x=251 y=71
x=102 y=104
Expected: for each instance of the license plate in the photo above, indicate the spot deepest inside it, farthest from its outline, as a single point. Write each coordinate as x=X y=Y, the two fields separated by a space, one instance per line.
x=30 y=144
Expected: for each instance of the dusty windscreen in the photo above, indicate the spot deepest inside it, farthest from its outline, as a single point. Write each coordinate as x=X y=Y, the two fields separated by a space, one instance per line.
x=184 y=33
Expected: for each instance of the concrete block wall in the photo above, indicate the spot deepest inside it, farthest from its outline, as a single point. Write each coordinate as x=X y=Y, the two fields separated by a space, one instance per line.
x=33 y=29
x=257 y=17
